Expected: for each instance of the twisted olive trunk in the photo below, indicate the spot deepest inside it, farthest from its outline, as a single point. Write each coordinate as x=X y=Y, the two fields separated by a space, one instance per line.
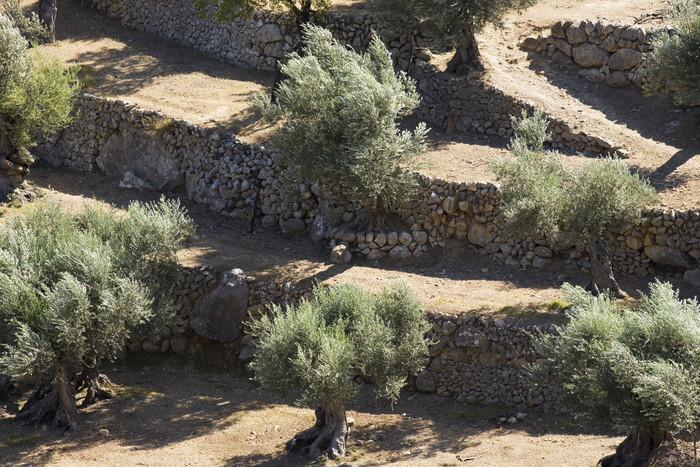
x=48 y=9
x=328 y=437
x=54 y=405
x=601 y=268
x=635 y=450
x=467 y=55
x=91 y=379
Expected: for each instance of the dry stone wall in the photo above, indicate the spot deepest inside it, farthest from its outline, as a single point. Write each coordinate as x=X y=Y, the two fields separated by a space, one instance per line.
x=610 y=52
x=240 y=180
x=487 y=110
x=261 y=41
x=258 y=42
x=481 y=360
x=470 y=358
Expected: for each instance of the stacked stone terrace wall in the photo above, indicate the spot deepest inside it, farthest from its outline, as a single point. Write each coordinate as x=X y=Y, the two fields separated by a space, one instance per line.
x=470 y=358
x=235 y=178
x=258 y=42
x=610 y=52
x=261 y=41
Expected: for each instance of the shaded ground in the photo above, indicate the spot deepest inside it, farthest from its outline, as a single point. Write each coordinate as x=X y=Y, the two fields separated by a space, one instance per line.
x=158 y=74
x=177 y=413
x=454 y=279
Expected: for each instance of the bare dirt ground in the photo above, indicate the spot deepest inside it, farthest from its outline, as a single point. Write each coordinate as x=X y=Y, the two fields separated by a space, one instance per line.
x=157 y=74
x=185 y=413
x=177 y=413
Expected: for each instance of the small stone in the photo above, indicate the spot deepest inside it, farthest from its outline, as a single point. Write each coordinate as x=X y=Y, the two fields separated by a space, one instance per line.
x=530 y=43
x=340 y=255
x=512 y=420
x=103 y=432
x=351 y=421
x=521 y=416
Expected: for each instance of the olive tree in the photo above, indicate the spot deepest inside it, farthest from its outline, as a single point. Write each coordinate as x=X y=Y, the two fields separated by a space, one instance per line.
x=36 y=98
x=74 y=288
x=28 y=24
x=303 y=11
x=544 y=197
x=637 y=369
x=338 y=112
x=456 y=21
x=673 y=67
x=322 y=346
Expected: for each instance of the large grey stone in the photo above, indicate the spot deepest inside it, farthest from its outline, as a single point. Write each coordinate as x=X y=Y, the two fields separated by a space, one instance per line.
x=293 y=225
x=624 y=59
x=340 y=255
x=576 y=34
x=220 y=315
x=479 y=235
x=692 y=277
x=400 y=252
x=589 y=55
x=143 y=155
x=269 y=33
x=247 y=354
x=667 y=255
x=180 y=344
x=592 y=74
x=426 y=381
x=617 y=79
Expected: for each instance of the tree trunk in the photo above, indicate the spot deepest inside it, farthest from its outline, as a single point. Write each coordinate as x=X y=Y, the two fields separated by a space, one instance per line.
x=91 y=379
x=467 y=56
x=635 y=450
x=14 y=166
x=47 y=15
x=6 y=384
x=55 y=406
x=601 y=268
x=66 y=396
x=327 y=437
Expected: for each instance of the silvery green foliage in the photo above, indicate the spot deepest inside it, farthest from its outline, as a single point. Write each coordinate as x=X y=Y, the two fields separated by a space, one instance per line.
x=343 y=331
x=446 y=18
x=28 y=24
x=36 y=96
x=14 y=56
x=637 y=368
x=544 y=196
x=75 y=286
x=673 y=67
x=338 y=111
x=229 y=10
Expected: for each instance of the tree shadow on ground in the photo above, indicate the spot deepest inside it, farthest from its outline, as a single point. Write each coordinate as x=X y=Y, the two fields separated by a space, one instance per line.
x=655 y=117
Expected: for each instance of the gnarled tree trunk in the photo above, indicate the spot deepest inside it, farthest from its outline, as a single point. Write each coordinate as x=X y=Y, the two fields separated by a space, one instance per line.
x=635 y=450
x=90 y=378
x=467 y=56
x=328 y=437
x=54 y=405
x=14 y=166
x=48 y=10
x=601 y=268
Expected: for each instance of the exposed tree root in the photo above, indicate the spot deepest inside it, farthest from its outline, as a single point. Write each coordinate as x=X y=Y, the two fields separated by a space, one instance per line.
x=328 y=437
x=92 y=380
x=54 y=406
x=634 y=451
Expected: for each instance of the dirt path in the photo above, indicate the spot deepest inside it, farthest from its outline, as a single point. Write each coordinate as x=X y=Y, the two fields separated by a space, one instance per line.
x=175 y=413
x=157 y=74
x=623 y=116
